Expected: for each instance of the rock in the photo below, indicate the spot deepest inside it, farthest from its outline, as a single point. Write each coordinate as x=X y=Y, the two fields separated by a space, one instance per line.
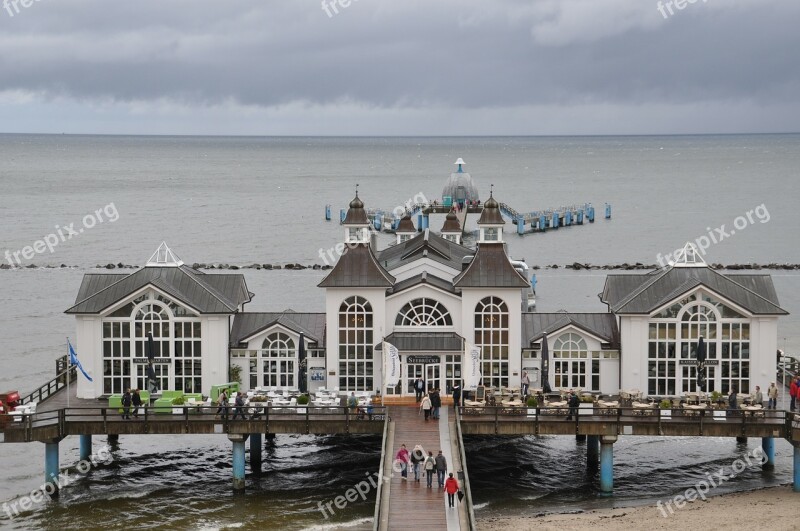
x=316 y=266
x=6 y=266
x=300 y=266
x=235 y=267
x=277 y=266
x=31 y=266
x=326 y=267
x=267 y=266
x=555 y=266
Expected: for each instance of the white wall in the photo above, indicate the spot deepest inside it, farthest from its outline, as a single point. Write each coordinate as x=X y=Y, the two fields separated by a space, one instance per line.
x=395 y=302
x=417 y=267
x=89 y=348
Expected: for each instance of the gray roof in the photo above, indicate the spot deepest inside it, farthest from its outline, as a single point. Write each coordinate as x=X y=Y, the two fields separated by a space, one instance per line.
x=248 y=324
x=406 y=225
x=643 y=294
x=427 y=244
x=357 y=268
x=490 y=268
x=425 y=278
x=205 y=293
x=424 y=341
x=451 y=223
x=602 y=325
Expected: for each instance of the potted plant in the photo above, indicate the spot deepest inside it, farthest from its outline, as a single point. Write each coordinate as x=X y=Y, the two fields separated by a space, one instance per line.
x=532 y=404
x=177 y=405
x=666 y=408
x=235 y=372
x=302 y=400
x=718 y=406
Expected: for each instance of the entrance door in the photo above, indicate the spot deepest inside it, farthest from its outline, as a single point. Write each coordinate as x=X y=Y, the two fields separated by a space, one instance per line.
x=432 y=376
x=412 y=371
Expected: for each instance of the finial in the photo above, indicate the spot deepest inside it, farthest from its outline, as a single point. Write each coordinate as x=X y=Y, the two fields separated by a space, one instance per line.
x=491 y=190
x=356 y=189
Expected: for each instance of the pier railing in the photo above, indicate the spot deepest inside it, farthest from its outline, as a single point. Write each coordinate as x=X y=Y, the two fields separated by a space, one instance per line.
x=50 y=388
x=465 y=479
x=381 y=518
x=60 y=423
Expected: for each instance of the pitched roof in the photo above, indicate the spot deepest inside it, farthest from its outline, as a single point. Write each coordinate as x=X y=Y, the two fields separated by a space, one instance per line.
x=424 y=341
x=601 y=325
x=357 y=268
x=427 y=244
x=490 y=268
x=451 y=223
x=356 y=215
x=425 y=278
x=643 y=294
x=248 y=324
x=204 y=293
x=406 y=225
x=490 y=215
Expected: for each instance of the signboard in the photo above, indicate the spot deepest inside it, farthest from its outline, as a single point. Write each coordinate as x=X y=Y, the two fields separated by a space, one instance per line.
x=708 y=363
x=424 y=360
x=317 y=374
x=155 y=360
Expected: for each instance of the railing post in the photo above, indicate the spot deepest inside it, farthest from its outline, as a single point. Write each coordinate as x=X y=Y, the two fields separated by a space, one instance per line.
x=347 y=416
x=105 y=419
x=308 y=422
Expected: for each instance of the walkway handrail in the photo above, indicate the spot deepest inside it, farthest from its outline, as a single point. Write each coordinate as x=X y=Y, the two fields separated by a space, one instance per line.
x=385 y=449
x=465 y=484
x=52 y=387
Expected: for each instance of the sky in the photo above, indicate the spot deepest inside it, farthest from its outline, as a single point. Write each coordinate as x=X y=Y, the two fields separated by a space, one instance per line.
x=402 y=67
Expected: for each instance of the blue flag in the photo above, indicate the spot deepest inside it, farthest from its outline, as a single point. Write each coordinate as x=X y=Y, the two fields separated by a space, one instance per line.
x=73 y=360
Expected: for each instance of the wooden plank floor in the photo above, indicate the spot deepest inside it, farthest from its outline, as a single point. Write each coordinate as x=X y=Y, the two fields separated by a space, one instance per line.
x=412 y=505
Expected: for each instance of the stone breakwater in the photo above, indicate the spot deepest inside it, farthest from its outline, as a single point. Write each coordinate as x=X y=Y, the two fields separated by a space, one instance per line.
x=575 y=266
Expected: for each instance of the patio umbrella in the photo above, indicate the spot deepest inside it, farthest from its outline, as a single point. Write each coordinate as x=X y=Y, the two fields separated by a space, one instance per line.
x=700 y=354
x=301 y=360
x=545 y=366
x=151 y=373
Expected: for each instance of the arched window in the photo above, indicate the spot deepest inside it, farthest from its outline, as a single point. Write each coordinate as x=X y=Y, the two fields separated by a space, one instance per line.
x=491 y=335
x=423 y=312
x=278 y=360
x=355 y=345
x=573 y=365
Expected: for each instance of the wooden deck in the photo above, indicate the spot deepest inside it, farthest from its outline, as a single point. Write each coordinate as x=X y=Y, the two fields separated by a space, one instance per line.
x=412 y=505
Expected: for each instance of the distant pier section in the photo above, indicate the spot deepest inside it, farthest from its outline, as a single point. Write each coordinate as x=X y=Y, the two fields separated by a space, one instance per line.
x=460 y=195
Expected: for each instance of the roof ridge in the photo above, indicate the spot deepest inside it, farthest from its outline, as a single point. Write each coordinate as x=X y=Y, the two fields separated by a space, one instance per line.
x=211 y=289
x=137 y=272
x=643 y=286
x=726 y=277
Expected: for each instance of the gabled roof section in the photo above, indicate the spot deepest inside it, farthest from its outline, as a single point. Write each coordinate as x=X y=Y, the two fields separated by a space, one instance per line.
x=643 y=294
x=451 y=224
x=357 y=268
x=164 y=257
x=216 y=294
x=490 y=268
x=426 y=244
x=600 y=325
x=424 y=278
x=406 y=225
x=246 y=325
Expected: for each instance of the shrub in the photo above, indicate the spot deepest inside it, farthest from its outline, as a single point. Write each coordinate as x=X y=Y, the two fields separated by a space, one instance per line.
x=587 y=399
x=302 y=400
x=179 y=401
x=532 y=402
x=665 y=404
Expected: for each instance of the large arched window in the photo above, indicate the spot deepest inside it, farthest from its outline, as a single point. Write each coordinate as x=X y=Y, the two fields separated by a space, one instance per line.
x=423 y=312
x=491 y=335
x=355 y=345
x=278 y=360
x=573 y=365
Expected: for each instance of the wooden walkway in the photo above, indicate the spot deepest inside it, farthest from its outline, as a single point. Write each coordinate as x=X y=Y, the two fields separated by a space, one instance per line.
x=412 y=505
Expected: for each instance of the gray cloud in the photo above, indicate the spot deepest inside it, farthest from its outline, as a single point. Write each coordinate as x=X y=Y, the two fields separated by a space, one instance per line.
x=177 y=60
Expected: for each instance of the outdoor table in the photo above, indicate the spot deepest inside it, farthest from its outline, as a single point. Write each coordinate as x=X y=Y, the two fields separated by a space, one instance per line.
x=694 y=409
x=642 y=409
x=752 y=410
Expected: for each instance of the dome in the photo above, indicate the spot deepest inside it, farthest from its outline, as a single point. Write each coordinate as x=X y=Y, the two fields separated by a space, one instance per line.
x=460 y=186
x=451 y=223
x=491 y=213
x=356 y=214
x=356 y=202
x=491 y=203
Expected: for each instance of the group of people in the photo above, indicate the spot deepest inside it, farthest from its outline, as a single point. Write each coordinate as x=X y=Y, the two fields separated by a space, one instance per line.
x=429 y=465
x=131 y=398
x=794 y=392
x=238 y=402
x=431 y=404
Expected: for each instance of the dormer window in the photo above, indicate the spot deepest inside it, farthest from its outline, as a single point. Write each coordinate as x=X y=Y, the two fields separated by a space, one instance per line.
x=356 y=235
x=403 y=238
x=491 y=234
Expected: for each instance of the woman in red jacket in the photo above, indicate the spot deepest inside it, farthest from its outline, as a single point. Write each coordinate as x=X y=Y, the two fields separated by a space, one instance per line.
x=451 y=487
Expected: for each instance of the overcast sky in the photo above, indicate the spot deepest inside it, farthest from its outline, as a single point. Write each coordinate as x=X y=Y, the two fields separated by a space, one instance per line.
x=399 y=67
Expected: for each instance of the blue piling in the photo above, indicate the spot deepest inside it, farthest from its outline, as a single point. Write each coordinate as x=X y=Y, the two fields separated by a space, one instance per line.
x=377 y=221
x=590 y=214
x=568 y=218
x=608 y=211
x=238 y=464
x=425 y=222
x=327 y=212
x=395 y=223
x=342 y=215
x=606 y=466
x=543 y=223
x=419 y=223
x=85 y=447
x=256 y=445
x=768 y=447
x=796 y=486
x=534 y=282
x=51 y=466
x=520 y=225
x=555 y=220
x=580 y=217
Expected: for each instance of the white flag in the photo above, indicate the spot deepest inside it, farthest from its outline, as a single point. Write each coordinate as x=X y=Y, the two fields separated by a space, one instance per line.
x=391 y=364
x=472 y=367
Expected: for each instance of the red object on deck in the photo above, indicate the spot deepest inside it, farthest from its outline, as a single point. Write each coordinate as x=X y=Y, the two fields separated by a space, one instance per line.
x=11 y=399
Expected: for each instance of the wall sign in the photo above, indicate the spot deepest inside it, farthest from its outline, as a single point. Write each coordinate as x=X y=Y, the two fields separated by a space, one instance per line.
x=155 y=360
x=424 y=360
x=708 y=363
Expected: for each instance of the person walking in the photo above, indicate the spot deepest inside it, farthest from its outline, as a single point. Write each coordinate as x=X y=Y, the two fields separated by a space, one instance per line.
x=425 y=406
x=732 y=402
x=417 y=457
x=793 y=394
x=419 y=387
x=222 y=402
x=456 y=395
x=136 y=399
x=441 y=469
x=525 y=382
x=436 y=403
x=430 y=468
x=758 y=397
x=451 y=487
x=402 y=457
x=772 y=394
x=574 y=403
x=239 y=402
x=126 y=404
x=352 y=402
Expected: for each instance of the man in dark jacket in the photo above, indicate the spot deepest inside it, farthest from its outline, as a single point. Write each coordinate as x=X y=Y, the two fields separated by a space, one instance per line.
x=419 y=387
x=574 y=403
x=137 y=402
x=126 y=404
x=239 y=406
x=456 y=395
x=441 y=468
x=436 y=403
